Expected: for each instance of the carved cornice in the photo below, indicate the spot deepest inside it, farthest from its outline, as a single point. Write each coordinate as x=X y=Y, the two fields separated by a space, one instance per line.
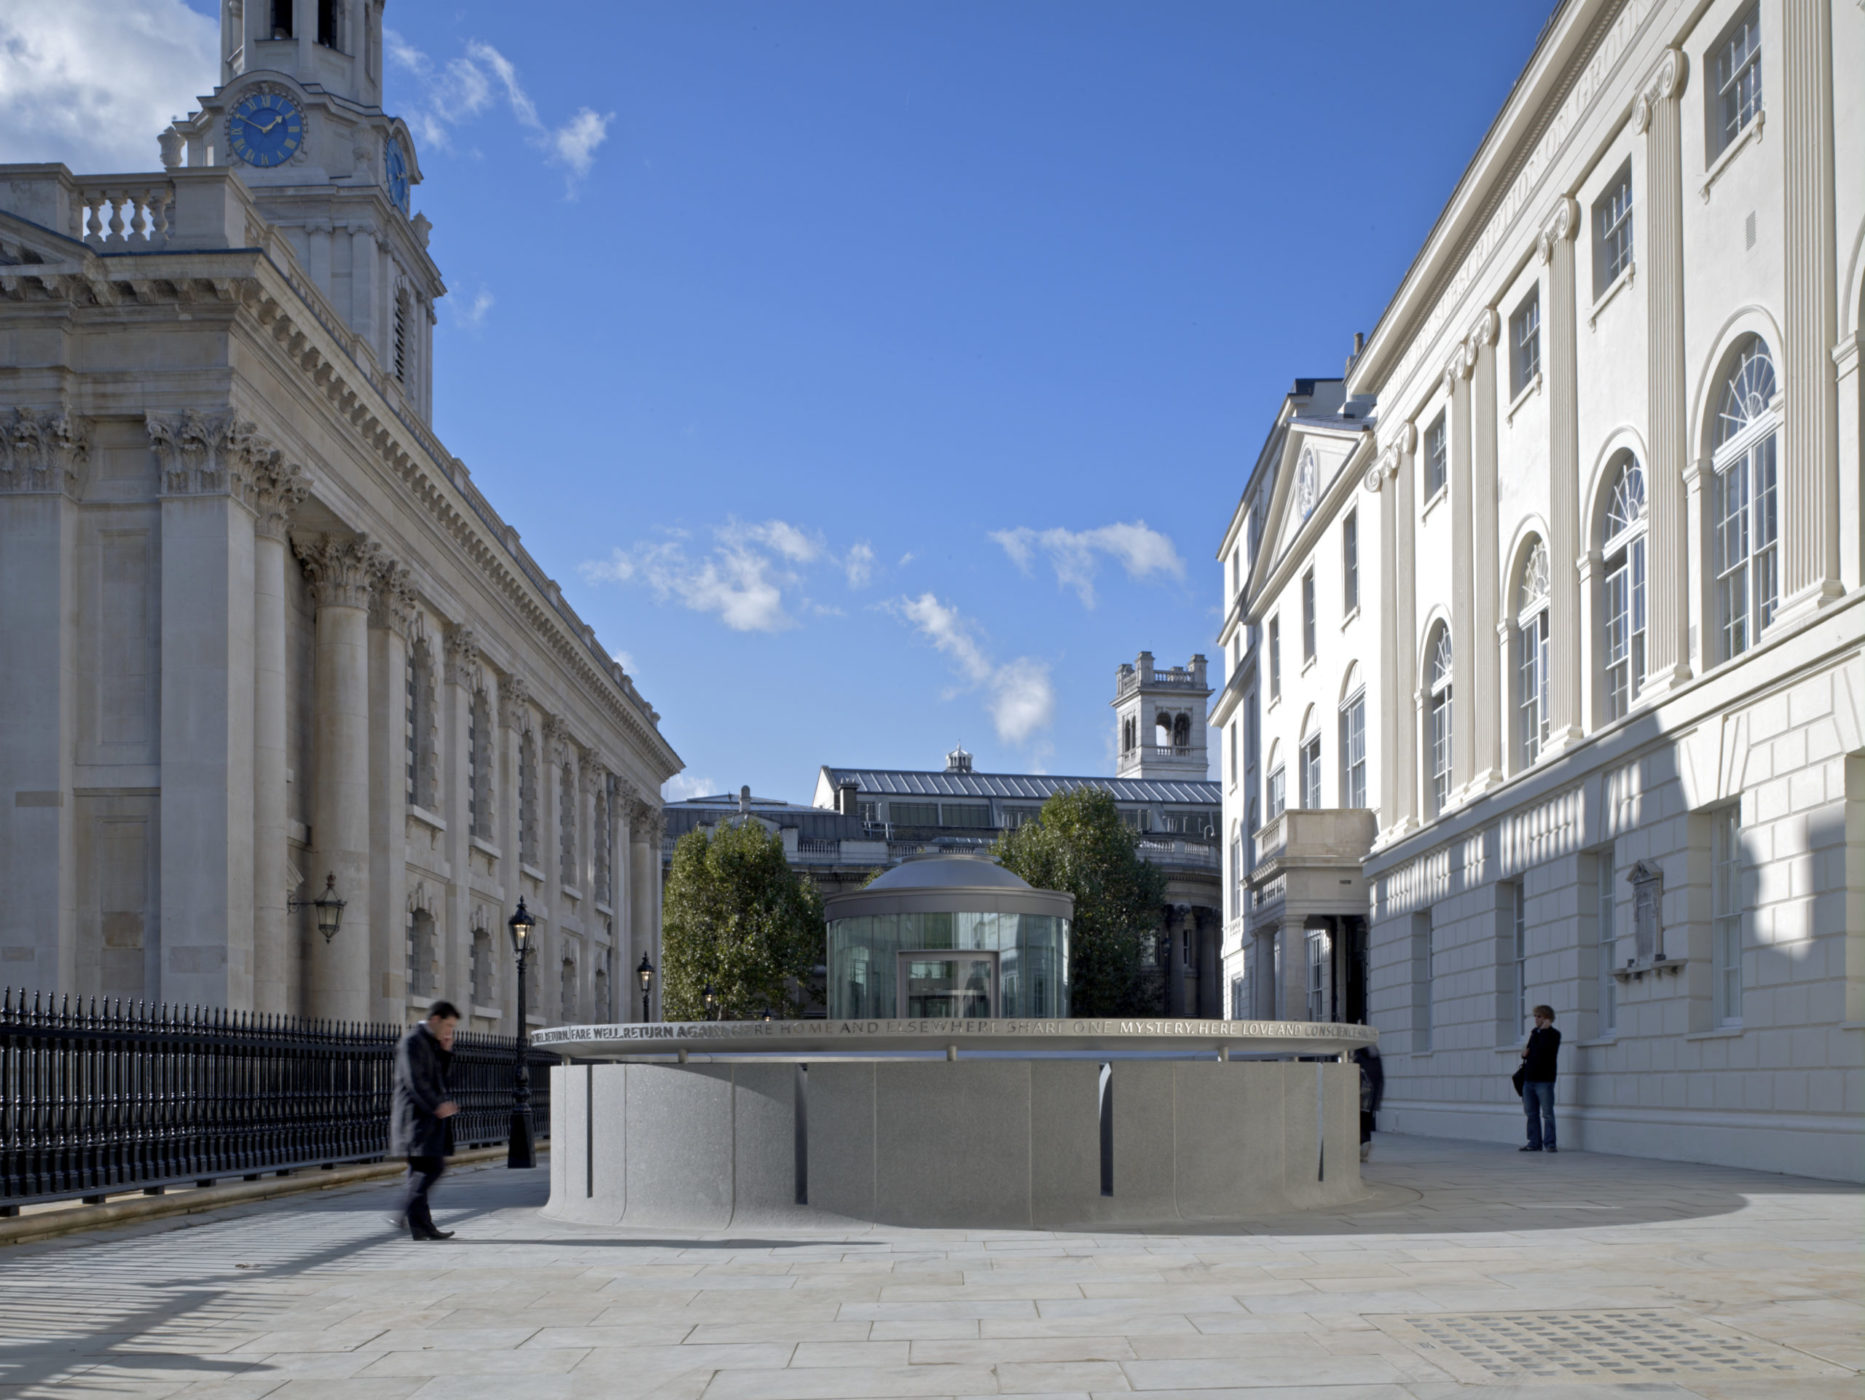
x=462 y=653
x=279 y=488
x=514 y=696
x=391 y=597
x=339 y=568
x=1560 y=226
x=42 y=450
x=1665 y=81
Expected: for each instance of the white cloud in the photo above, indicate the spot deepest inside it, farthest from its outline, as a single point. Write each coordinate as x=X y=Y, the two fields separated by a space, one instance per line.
x=624 y=660
x=471 y=315
x=1018 y=694
x=92 y=82
x=460 y=89
x=858 y=564
x=682 y=786
x=1075 y=554
x=753 y=575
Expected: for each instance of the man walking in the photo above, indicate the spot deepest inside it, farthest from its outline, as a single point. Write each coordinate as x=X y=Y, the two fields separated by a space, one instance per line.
x=1538 y=1056
x=418 y=1127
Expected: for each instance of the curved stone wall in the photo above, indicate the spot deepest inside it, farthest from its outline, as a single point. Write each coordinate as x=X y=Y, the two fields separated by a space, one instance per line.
x=966 y=1142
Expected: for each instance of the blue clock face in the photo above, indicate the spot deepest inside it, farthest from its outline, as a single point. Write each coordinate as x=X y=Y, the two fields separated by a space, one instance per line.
x=265 y=129
x=398 y=175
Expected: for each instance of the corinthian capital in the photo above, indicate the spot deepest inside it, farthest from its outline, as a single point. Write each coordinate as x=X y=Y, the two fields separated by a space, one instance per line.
x=41 y=450
x=339 y=568
x=391 y=596
x=514 y=696
x=462 y=653
x=278 y=489
x=207 y=454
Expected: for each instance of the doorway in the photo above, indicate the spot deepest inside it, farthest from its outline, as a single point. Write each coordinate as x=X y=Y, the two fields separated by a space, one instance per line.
x=947 y=986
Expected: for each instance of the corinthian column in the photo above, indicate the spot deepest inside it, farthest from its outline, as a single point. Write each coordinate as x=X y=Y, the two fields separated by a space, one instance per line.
x=391 y=618
x=1465 y=639
x=461 y=673
x=1486 y=665
x=1809 y=494
x=1657 y=115
x=337 y=971
x=278 y=490
x=1567 y=644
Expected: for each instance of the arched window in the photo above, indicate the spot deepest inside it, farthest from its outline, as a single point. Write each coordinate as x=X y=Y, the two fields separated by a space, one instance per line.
x=479 y=764
x=1311 y=766
x=1276 y=790
x=599 y=998
x=421 y=726
x=1531 y=641
x=1353 y=745
x=421 y=950
x=1182 y=734
x=567 y=989
x=1623 y=610
x=482 y=964
x=1438 y=718
x=1747 y=526
x=566 y=827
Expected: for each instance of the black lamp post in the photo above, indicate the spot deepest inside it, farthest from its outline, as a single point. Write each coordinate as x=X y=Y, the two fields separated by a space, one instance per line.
x=521 y=1149
x=646 y=973
x=712 y=1003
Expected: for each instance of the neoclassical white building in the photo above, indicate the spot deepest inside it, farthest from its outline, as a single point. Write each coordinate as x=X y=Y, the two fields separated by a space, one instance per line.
x=263 y=636
x=1611 y=620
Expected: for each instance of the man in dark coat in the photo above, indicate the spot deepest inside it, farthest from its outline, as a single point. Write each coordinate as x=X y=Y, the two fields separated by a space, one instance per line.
x=1372 y=1089
x=1538 y=1056
x=418 y=1127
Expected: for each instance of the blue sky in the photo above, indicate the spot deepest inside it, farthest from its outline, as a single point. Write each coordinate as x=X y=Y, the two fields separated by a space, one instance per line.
x=878 y=376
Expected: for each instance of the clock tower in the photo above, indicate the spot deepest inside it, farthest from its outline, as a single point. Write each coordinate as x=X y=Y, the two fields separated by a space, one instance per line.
x=299 y=114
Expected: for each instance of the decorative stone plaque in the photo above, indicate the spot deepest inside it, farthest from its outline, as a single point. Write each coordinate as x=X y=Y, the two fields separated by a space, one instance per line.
x=1647 y=882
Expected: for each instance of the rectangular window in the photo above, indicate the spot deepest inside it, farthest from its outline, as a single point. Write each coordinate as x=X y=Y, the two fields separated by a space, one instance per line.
x=1275 y=799
x=913 y=813
x=1317 y=941
x=1308 y=616
x=1015 y=817
x=1350 y=562
x=1421 y=981
x=1734 y=94
x=1311 y=773
x=1440 y=729
x=1240 y=998
x=1532 y=638
x=1612 y=231
x=1525 y=343
x=1353 y=752
x=1726 y=916
x=1607 y=919
x=964 y=814
x=1275 y=658
x=1437 y=457
x=1236 y=742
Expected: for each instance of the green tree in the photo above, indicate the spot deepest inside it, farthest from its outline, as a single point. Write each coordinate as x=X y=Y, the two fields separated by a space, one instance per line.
x=737 y=919
x=1078 y=844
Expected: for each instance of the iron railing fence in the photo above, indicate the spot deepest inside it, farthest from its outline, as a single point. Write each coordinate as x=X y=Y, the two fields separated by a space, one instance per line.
x=116 y=1096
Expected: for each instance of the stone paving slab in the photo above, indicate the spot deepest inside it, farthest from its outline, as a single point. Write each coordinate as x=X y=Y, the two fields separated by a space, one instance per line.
x=1468 y=1271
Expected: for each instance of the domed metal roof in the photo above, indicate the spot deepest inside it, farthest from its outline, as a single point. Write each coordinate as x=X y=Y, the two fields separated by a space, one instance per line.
x=949 y=870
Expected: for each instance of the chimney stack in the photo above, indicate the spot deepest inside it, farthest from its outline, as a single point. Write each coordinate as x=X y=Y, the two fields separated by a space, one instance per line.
x=846 y=793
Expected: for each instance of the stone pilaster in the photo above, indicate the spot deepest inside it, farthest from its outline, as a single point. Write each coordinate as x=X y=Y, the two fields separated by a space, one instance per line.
x=460 y=672
x=1567 y=647
x=514 y=701
x=1465 y=641
x=1811 y=573
x=645 y=877
x=1486 y=717
x=337 y=973
x=391 y=621
x=622 y=800
x=279 y=488
x=1402 y=680
x=1658 y=116
x=208 y=465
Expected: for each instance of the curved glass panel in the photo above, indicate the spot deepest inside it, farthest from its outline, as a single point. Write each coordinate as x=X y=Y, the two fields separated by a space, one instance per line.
x=1628 y=497
x=1747 y=392
x=869 y=955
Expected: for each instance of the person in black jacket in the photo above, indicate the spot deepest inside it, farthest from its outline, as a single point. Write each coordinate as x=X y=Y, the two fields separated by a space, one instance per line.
x=418 y=1127
x=1538 y=1056
x=1372 y=1089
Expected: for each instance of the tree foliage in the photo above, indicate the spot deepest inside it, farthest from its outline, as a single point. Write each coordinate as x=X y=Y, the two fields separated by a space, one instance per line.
x=736 y=918
x=1078 y=844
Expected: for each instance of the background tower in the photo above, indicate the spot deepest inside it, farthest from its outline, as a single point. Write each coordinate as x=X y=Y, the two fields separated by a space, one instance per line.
x=1159 y=719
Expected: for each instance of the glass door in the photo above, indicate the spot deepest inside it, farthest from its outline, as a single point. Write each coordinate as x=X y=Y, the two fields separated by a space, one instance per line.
x=948 y=986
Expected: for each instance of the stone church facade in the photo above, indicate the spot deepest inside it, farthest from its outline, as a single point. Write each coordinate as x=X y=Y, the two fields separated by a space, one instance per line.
x=263 y=635
x=1601 y=456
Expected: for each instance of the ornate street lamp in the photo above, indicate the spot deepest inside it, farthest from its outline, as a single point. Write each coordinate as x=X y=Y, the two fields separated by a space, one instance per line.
x=712 y=1002
x=329 y=908
x=521 y=1149
x=646 y=973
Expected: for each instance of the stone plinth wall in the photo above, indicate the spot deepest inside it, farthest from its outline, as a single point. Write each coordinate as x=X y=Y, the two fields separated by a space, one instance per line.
x=958 y=1144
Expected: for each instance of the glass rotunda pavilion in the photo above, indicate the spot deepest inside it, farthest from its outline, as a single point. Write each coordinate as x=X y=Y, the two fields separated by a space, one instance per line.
x=948 y=936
